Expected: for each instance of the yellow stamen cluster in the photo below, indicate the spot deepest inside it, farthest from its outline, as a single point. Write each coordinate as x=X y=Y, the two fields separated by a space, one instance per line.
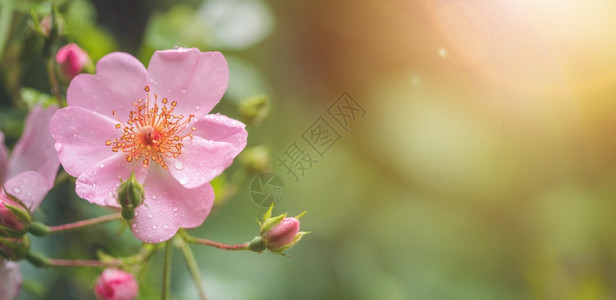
x=151 y=132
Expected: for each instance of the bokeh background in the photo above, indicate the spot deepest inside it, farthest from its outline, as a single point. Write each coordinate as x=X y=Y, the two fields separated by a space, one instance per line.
x=484 y=167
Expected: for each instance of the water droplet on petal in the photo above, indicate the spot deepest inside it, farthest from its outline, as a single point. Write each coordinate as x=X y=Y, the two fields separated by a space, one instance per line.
x=58 y=146
x=183 y=91
x=184 y=180
x=175 y=209
x=150 y=216
x=16 y=190
x=102 y=166
x=154 y=197
x=154 y=227
x=178 y=165
x=166 y=227
x=197 y=107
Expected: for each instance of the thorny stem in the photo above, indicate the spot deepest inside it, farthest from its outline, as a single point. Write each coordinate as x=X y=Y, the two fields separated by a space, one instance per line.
x=191 y=262
x=167 y=272
x=215 y=244
x=84 y=223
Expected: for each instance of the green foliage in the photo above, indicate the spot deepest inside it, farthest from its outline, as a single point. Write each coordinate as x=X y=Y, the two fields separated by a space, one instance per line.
x=33 y=97
x=80 y=19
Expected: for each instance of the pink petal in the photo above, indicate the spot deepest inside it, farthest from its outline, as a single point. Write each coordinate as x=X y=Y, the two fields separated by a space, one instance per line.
x=169 y=206
x=220 y=128
x=10 y=279
x=98 y=184
x=196 y=80
x=30 y=187
x=34 y=151
x=80 y=136
x=201 y=161
x=119 y=81
x=4 y=161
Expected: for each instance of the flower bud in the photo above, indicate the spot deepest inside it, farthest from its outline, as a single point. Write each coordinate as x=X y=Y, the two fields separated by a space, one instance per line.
x=282 y=234
x=115 y=284
x=14 y=217
x=130 y=196
x=14 y=249
x=278 y=233
x=256 y=160
x=46 y=25
x=72 y=59
x=254 y=109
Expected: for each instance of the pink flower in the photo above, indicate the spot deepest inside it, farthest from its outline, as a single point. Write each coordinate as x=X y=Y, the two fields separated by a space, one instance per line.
x=10 y=279
x=33 y=165
x=116 y=285
x=282 y=234
x=153 y=122
x=72 y=59
x=31 y=170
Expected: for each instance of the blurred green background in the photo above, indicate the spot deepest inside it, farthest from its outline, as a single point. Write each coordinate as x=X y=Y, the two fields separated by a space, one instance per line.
x=484 y=166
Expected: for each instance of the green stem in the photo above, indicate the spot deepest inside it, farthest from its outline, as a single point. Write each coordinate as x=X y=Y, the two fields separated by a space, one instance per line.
x=61 y=177
x=53 y=81
x=81 y=263
x=42 y=261
x=6 y=16
x=191 y=262
x=167 y=272
x=84 y=223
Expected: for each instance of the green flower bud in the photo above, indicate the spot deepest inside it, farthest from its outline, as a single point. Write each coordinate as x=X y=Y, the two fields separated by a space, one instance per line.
x=14 y=249
x=256 y=159
x=254 y=109
x=130 y=196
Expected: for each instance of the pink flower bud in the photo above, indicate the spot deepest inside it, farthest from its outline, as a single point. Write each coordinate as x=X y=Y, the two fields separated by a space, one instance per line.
x=282 y=234
x=46 y=24
x=8 y=220
x=116 y=285
x=72 y=59
x=14 y=217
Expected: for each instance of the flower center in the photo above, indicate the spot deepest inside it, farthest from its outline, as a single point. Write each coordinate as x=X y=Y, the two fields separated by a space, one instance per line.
x=152 y=132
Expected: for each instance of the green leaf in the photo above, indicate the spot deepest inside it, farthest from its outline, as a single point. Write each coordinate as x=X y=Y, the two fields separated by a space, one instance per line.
x=33 y=98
